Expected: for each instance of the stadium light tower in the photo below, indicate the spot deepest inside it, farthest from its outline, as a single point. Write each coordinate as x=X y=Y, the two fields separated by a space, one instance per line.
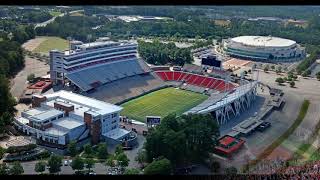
x=69 y=38
x=89 y=36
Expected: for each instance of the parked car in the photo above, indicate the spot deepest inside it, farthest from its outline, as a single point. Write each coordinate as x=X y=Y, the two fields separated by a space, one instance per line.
x=263 y=126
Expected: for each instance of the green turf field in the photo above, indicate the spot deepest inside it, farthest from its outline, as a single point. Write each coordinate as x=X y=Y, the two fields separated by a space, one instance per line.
x=161 y=103
x=52 y=43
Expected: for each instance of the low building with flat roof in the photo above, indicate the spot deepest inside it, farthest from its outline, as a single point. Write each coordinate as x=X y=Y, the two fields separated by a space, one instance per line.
x=63 y=116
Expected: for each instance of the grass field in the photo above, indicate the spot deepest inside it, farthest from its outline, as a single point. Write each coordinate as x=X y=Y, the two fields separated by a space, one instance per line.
x=162 y=103
x=52 y=43
x=77 y=14
x=55 y=13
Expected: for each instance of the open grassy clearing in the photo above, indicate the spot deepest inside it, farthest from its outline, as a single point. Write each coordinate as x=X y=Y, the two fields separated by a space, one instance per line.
x=55 y=13
x=77 y=14
x=161 y=103
x=51 y=43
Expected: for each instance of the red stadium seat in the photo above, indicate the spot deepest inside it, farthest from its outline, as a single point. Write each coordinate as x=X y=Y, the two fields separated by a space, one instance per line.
x=162 y=75
x=197 y=80
x=205 y=82
x=169 y=75
x=182 y=76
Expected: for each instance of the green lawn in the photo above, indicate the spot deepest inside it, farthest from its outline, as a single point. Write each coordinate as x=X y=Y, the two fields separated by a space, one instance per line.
x=52 y=43
x=162 y=103
x=55 y=13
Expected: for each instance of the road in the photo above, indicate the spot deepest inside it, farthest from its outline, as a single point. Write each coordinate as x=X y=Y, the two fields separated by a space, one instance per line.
x=43 y=24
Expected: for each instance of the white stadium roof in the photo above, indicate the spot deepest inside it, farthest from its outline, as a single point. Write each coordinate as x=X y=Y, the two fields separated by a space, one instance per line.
x=266 y=41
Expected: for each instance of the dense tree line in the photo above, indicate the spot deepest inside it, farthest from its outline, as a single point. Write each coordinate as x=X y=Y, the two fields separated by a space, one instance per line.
x=178 y=13
x=25 y=15
x=35 y=17
x=160 y=53
x=11 y=62
x=184 y=139
x=77 y=27
x=18 y=32
x=305 y=64
x=294 y=12
x=11 y=58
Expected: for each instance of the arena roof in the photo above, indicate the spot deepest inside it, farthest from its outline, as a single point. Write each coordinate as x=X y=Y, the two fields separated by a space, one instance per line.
x=266 y=41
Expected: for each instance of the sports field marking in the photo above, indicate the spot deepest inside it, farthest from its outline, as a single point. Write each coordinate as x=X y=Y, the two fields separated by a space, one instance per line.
x=161 y=103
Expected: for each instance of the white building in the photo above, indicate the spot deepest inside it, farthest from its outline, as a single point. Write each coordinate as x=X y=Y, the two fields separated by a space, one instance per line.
x=64 y=116
x=264 y=48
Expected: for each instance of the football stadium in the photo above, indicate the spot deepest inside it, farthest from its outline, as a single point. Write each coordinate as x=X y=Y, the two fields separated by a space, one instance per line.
x=112 y=72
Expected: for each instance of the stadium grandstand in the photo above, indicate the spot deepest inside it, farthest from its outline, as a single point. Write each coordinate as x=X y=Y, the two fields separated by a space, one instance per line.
x=197 y=80
x=106 y=70
x=226 y=99
x=88 y=66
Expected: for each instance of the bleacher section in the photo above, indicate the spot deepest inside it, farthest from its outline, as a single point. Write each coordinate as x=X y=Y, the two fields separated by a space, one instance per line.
x=93 y=77
x=196 y=80
x=126 y=88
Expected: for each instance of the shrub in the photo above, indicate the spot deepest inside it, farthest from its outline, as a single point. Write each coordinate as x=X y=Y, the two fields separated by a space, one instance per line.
x=18 y=149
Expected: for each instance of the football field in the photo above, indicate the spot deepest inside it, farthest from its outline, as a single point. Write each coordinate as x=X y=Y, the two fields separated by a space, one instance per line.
x=161 y=103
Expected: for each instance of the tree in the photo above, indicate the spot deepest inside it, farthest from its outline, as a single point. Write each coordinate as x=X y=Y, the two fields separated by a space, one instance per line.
x=231 y=170
x=132 y=171
x=16 y=169
x=266 y=68
x=102 y=151
x=89 y=163
x=254 y=66
x=55 y=163
x=2 y=151
x=40 y=167
x=272 y=67
x=292 y=84
x=162 y=166
x=318 y=76
x=110 y=161
x=119 y=149
x=4 y=169
x=182 y=139
x=88 y=149
x=305 y=74
x=122 y=159
x=279 y=69
x=31 y=77
x=77 y=164
x=141 y=157
x=215 y=166
x=279 y=80
x=72 y=148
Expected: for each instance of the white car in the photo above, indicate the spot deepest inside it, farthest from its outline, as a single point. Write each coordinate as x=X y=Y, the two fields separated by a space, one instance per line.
x=65 y=163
